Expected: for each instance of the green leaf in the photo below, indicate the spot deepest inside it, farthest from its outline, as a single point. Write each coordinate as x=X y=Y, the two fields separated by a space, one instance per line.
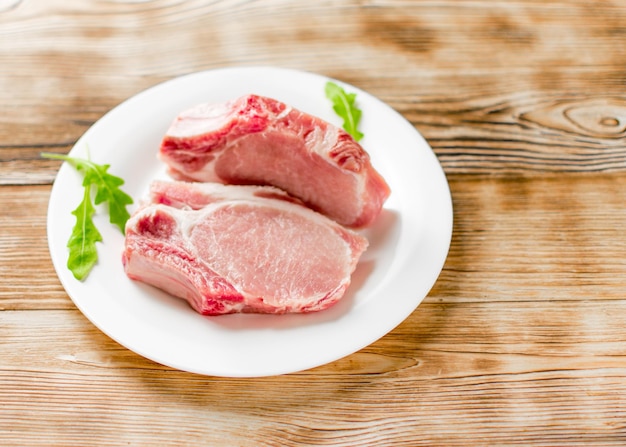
x=82 y=243
x=108 y=190
x=345 y=107
x=107 y=187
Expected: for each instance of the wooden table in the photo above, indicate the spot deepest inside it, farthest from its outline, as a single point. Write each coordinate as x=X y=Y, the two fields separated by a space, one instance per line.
x=522 y=340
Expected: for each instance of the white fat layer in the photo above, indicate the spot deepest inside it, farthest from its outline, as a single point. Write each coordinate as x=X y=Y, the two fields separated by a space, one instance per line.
x=224 y=195
x=284 y=113
x=200 y=119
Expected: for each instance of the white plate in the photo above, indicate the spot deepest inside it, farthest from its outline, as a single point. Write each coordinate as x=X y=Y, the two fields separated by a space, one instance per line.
x=408 y=244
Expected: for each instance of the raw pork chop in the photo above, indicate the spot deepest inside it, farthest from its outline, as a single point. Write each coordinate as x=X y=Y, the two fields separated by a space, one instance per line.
x=227 y=248
x=258 y=140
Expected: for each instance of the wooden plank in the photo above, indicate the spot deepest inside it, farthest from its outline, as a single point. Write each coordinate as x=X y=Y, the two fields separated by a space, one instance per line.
x=577 y=410
x=512 y=134
x=534 y=239
x=438 y=341
x=27 y=277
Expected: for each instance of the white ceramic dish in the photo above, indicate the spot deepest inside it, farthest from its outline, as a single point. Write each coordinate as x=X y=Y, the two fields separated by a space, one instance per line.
x=408 y=244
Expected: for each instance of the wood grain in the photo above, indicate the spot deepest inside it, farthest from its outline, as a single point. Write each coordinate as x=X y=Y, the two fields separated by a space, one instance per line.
x=485 y=85
x=572 y=397
x=28 y=279
x=521 y=341
x=516 y=238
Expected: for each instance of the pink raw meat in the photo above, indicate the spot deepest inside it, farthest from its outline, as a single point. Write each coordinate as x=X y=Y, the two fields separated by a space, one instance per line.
x=262 y=141
x=227 y=248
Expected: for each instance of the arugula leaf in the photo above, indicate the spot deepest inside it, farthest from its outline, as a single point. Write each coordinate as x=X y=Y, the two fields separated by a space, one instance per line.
x=82 y=243
x=108 y=190
x=107 y=187
x=344 y=106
